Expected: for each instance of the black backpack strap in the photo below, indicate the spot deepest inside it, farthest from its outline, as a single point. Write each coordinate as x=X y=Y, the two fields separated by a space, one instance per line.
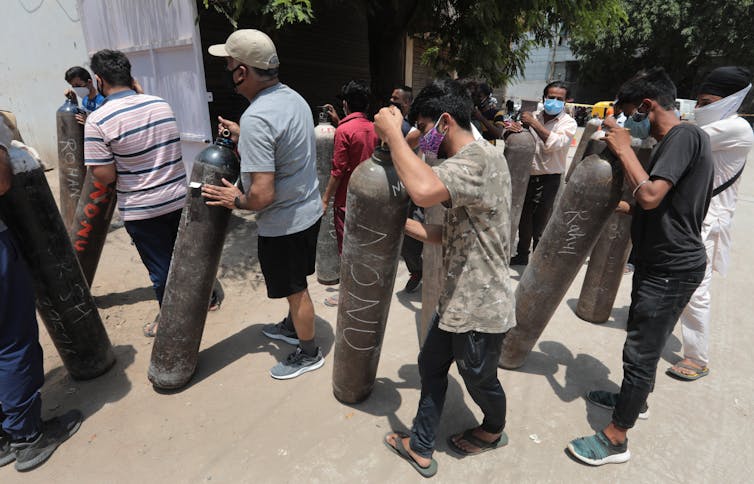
x=717 y=191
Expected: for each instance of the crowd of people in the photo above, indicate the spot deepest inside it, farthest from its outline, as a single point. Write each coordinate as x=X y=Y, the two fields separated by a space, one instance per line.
x=683 y=204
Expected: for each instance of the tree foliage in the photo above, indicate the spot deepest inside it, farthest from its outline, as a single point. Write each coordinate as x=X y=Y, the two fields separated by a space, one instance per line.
x=492 y=39
x=686 y=37
x=277 y=13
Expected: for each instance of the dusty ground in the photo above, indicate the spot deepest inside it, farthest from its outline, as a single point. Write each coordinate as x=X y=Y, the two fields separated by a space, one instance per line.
x=233 y=423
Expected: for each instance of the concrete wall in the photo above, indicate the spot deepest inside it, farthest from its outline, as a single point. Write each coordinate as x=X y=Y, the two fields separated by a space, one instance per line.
x=39 y=42
x=537 y=72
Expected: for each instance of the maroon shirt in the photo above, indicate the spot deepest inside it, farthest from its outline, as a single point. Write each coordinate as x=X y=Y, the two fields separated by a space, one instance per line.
x=355 y=141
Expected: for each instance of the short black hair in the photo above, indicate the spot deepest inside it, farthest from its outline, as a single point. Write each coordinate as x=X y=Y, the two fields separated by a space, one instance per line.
x=408 y=90
x=266 y=74
x=558 y=84
x=485 y=88
x=443 y=96
x=652 y=84
x=77 y=71
x=113 y=67
x=356 y=94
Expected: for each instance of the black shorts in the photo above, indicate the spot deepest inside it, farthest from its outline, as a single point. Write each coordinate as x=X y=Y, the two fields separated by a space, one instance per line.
x=287 y=260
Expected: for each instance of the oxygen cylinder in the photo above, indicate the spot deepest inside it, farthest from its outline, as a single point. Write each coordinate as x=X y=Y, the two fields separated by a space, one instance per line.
x=577 y=220
x=607 y=261
x=376 y=208
x=519 y=153
x=71 y=170
x=91 y=223
x=328 y=259
x=62 y=294
x=196 y=256
x=591 y=127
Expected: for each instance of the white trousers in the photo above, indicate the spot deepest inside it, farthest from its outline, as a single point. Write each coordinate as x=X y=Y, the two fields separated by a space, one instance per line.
x=695 y=318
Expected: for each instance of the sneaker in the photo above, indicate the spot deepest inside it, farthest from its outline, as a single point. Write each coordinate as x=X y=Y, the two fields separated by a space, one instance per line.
x=608 y=400
x=597 y=450
x=6 y=454
x=297 y=363
x=413 y=283
x=280 y=331
x=54 y=432
x=519 y=260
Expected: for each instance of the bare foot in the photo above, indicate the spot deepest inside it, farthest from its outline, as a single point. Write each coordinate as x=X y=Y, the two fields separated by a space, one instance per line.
x=480 y=434
x=422 y=461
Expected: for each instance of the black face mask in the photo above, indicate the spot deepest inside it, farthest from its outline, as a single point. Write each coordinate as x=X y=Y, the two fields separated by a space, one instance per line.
x=233 y=85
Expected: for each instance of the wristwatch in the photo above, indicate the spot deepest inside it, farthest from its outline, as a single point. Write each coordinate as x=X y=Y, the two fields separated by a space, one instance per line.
x=237 y=202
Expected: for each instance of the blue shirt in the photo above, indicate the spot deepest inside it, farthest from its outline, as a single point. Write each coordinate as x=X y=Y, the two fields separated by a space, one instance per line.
x=92 y=104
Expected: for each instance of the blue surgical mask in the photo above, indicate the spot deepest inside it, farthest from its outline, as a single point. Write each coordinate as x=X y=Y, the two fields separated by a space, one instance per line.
x=553 y=107
x=639 y=128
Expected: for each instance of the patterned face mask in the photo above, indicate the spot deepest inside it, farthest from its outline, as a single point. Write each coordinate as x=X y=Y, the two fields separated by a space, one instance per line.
x=430 y=142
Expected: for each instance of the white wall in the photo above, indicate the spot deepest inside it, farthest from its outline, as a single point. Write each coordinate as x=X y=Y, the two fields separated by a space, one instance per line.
x=40 y=39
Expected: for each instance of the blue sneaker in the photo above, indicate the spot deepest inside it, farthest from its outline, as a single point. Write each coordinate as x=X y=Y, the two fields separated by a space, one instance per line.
x=597 y=450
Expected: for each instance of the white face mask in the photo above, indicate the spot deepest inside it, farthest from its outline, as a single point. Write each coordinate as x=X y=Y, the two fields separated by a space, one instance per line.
x=721 y=109
x=81 y=92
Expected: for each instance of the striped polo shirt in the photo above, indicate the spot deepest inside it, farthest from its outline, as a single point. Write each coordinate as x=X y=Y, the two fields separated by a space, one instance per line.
x=139 y=134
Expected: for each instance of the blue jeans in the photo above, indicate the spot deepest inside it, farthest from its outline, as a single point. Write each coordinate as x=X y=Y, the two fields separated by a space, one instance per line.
x=21 y=371
x=154 y=238
x=476 y=356
x=657 y=301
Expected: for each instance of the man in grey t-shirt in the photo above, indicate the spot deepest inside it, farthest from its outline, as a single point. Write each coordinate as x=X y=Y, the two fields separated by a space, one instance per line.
x=278 y=170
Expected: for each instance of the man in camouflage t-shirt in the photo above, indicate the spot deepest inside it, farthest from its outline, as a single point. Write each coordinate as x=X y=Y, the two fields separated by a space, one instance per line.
x=476 y=303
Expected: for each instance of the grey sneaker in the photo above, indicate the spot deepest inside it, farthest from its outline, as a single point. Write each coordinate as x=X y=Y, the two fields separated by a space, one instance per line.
x=280 y=331
x=608 y=400
x=297 y=363
x=6 y=454
x=54 y=432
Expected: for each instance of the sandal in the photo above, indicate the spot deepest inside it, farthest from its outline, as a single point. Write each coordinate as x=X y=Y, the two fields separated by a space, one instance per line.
x=214 y=303
x=695 y=373
x=401 y=451
x=483 y=446
x=150 y=329
x=332 y=301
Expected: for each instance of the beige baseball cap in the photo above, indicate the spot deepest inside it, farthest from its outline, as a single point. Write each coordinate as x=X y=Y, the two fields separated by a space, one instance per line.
x=249 y=46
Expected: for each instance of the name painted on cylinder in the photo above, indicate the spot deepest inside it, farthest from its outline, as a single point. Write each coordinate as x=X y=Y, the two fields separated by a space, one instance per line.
x=574 y=231
x=100 y=198
x=362 y=321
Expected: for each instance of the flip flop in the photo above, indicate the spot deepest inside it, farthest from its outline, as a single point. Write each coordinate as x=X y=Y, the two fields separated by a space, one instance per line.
x=401 y=451
x=469 y=437
x=150 y=329
x=695 y=375
x=214 y=303
x=331 y=301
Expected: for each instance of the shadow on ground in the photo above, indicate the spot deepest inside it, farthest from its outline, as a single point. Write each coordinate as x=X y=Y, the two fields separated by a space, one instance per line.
x=385 y=400
x=583 y=373
x=61 y=393
x=131 y=296
x=247 y=341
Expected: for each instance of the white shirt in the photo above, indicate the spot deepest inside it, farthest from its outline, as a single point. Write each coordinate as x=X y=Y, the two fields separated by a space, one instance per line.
x=550 y=156
x=731 y=140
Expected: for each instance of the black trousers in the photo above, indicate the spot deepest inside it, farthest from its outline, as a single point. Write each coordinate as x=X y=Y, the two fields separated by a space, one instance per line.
x=657 y=300
x=411 y=251
x=476 y=356
x=540 y=197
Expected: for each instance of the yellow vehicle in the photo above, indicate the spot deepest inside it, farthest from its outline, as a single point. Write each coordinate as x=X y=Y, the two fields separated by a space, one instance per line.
x=602 y=109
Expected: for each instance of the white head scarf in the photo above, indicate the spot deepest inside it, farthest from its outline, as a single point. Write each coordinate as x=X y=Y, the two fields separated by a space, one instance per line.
x=721 y=109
